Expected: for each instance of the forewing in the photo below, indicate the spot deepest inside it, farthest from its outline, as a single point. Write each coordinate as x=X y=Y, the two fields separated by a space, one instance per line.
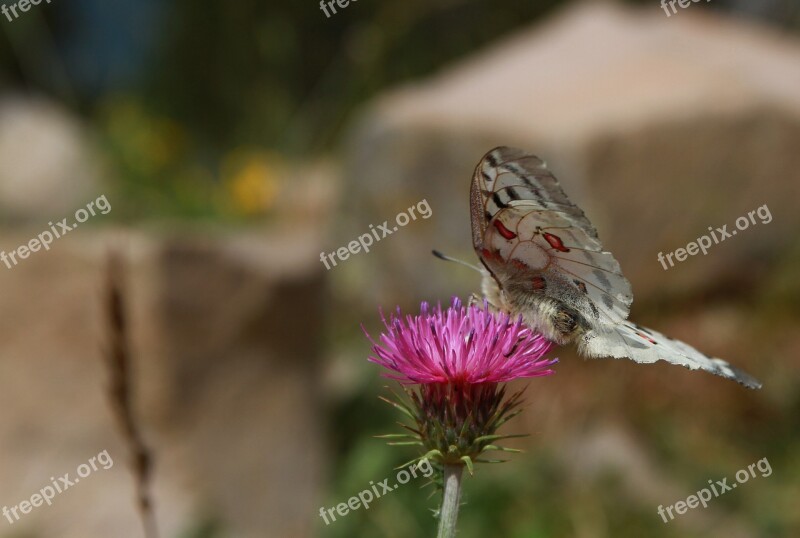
x=525 y=227
x=647 y=345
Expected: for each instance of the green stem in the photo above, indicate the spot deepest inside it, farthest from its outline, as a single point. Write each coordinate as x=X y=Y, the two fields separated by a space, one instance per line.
x=451 y=498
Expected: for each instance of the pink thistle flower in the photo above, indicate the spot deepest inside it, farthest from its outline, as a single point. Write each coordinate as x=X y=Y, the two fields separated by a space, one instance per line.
x=460 y=345
x=458 y=359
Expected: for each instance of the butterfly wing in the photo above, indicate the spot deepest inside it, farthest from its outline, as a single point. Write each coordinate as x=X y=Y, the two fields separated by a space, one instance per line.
x=537 y=246
x=645 y=345
x=531 y=238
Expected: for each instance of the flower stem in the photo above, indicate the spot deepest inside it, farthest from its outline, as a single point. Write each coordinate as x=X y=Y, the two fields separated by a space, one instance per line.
x=451 y=498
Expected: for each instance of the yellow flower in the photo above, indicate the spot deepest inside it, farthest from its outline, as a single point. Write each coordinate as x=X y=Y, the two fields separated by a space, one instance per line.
x=252 y=181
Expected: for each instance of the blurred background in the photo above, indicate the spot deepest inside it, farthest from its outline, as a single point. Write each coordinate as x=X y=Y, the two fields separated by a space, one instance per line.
x=236 y=142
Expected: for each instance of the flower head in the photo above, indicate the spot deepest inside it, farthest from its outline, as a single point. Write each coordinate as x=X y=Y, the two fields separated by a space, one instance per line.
x=457 y=359
x=460 y=345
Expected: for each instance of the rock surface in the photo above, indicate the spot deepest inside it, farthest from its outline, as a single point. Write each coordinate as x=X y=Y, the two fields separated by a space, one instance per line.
x=226 y=336
x=48 y=167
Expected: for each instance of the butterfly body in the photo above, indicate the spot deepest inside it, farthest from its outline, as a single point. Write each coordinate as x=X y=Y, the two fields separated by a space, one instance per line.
x=542 y=260
x=520 y=296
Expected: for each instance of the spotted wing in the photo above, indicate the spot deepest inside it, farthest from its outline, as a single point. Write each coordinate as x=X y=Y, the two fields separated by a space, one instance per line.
x=523 y=225
x=647 y=345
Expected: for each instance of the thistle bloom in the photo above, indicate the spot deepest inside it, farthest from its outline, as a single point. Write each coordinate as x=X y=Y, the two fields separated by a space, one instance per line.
x=457 y=360
x=460 y=345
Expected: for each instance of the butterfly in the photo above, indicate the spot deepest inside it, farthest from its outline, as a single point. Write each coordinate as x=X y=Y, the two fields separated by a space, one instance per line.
x=542 y=260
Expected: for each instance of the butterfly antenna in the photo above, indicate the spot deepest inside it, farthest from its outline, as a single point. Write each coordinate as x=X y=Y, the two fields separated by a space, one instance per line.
x=449 y=259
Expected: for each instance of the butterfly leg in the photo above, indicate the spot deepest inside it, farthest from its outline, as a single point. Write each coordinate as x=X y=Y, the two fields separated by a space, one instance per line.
x=477 y=300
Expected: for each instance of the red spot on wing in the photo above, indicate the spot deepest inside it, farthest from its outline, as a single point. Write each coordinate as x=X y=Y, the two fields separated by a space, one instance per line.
x=645 y=337
x=555 y=242
x=505 y=232
x=488 y=254
x=538 y=283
